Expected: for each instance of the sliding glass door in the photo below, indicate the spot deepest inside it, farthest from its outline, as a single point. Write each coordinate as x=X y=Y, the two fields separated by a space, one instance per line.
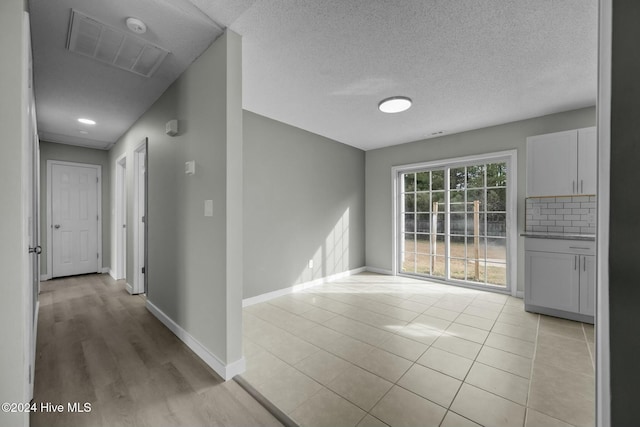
x=453 y=222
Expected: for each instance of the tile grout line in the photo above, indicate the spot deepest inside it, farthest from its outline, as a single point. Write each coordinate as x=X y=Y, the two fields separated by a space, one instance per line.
x=377 y=346
x=490 y=392
x=442 y=332
x=533 y=361
x=463 y=381
x=347 y=361
x=323 y=386
x=584 y=332
x=294 y=367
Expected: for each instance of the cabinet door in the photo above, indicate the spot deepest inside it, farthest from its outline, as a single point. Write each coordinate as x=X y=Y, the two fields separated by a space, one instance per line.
x=588 y=285
x=587 y=160
x=552 y=280
x=552 y=164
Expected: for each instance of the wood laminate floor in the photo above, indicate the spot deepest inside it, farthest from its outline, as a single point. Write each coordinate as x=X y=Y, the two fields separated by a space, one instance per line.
x=98 y=344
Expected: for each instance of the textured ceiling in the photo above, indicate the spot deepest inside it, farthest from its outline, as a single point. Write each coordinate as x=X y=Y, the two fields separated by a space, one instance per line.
x=323 y=65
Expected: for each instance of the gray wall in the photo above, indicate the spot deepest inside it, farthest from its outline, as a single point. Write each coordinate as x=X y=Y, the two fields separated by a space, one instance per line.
x=492 y=139
x=69 y=153
x=12 y=305
x=624 y=227
x=194 y=262
x=304 y=199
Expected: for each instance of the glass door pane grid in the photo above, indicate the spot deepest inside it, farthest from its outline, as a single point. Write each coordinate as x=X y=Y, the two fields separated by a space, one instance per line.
x=458 y=262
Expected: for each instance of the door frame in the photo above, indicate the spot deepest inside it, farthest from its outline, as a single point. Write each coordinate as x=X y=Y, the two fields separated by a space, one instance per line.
x=511 y=158
x=31 y=207
x=121 y=218
x=603 y=112
x=98 y=168
x=139 y=253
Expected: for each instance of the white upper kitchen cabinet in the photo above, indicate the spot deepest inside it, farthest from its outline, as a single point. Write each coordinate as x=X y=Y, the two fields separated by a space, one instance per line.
x=552 y=164
x=562 y=163
x=587 y=160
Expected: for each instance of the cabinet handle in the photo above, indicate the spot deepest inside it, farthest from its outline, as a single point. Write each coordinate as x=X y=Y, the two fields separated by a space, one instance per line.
x=578 y=247
x=575 y=262
x=584 y=263
x=573 y=186
x=581 y=190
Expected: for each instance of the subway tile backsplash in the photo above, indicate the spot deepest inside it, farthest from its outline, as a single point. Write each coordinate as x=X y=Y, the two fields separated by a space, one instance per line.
x=568 y=214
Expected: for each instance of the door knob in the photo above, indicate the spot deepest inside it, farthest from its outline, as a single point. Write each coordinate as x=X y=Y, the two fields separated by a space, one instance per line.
x=56 y=226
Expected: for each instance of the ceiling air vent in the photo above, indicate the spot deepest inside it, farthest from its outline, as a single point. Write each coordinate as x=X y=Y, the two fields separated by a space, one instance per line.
x=116 y=47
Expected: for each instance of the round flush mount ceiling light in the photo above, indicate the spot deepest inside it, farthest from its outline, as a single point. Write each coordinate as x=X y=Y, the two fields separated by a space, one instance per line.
x=136 y=25
x=395 y=104
x=87 y=121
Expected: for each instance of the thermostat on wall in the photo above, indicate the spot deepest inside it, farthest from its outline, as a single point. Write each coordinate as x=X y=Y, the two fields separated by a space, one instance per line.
x=172 y=128
x=190 y=167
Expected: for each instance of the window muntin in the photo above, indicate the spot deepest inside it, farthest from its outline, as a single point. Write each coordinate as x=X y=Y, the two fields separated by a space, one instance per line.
x=454 y=222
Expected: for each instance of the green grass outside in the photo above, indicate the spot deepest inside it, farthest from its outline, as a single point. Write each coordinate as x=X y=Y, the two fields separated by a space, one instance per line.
x=495 y=269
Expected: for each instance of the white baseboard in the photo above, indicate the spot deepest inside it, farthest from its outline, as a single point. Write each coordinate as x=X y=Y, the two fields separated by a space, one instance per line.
x=112 y=274
x=36 y=316
x=234 y=368
x=379 y=271
x=296 y=288
x=129 y=288
x=32 y=356
x=227 y=372
x=103 y=270
x=520 y=294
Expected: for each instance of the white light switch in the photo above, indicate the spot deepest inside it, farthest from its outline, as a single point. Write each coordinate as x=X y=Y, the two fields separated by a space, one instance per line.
x=208 y=208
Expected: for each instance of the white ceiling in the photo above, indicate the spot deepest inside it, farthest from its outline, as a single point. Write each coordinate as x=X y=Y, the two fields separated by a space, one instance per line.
x=323 y=65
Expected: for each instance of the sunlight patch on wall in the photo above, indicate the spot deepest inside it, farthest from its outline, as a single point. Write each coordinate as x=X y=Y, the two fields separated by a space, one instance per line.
x=332 y=256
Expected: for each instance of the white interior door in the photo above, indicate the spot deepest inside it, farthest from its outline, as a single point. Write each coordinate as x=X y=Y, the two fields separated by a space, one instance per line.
x=140 y=218
x=30 y=200
x=121 y=218
x=74 y=219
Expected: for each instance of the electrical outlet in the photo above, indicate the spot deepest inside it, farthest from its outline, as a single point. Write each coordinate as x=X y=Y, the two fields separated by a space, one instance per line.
x=536 y=210
x=310 y=263
x=591 y=218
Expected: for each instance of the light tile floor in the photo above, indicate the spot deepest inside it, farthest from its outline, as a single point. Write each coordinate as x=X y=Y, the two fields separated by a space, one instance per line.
x=374 y=350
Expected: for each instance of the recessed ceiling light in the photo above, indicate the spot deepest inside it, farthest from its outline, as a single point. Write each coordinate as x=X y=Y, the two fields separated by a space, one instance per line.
x=87 y=121
x=395 y=104
x=84 y=132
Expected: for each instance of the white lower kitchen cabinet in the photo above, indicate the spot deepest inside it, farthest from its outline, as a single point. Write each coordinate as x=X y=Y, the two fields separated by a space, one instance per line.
x=588 y=285
x=560 y=278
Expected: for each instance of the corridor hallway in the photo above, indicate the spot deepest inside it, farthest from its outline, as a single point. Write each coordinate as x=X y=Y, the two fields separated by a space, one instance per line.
x=98 y=344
